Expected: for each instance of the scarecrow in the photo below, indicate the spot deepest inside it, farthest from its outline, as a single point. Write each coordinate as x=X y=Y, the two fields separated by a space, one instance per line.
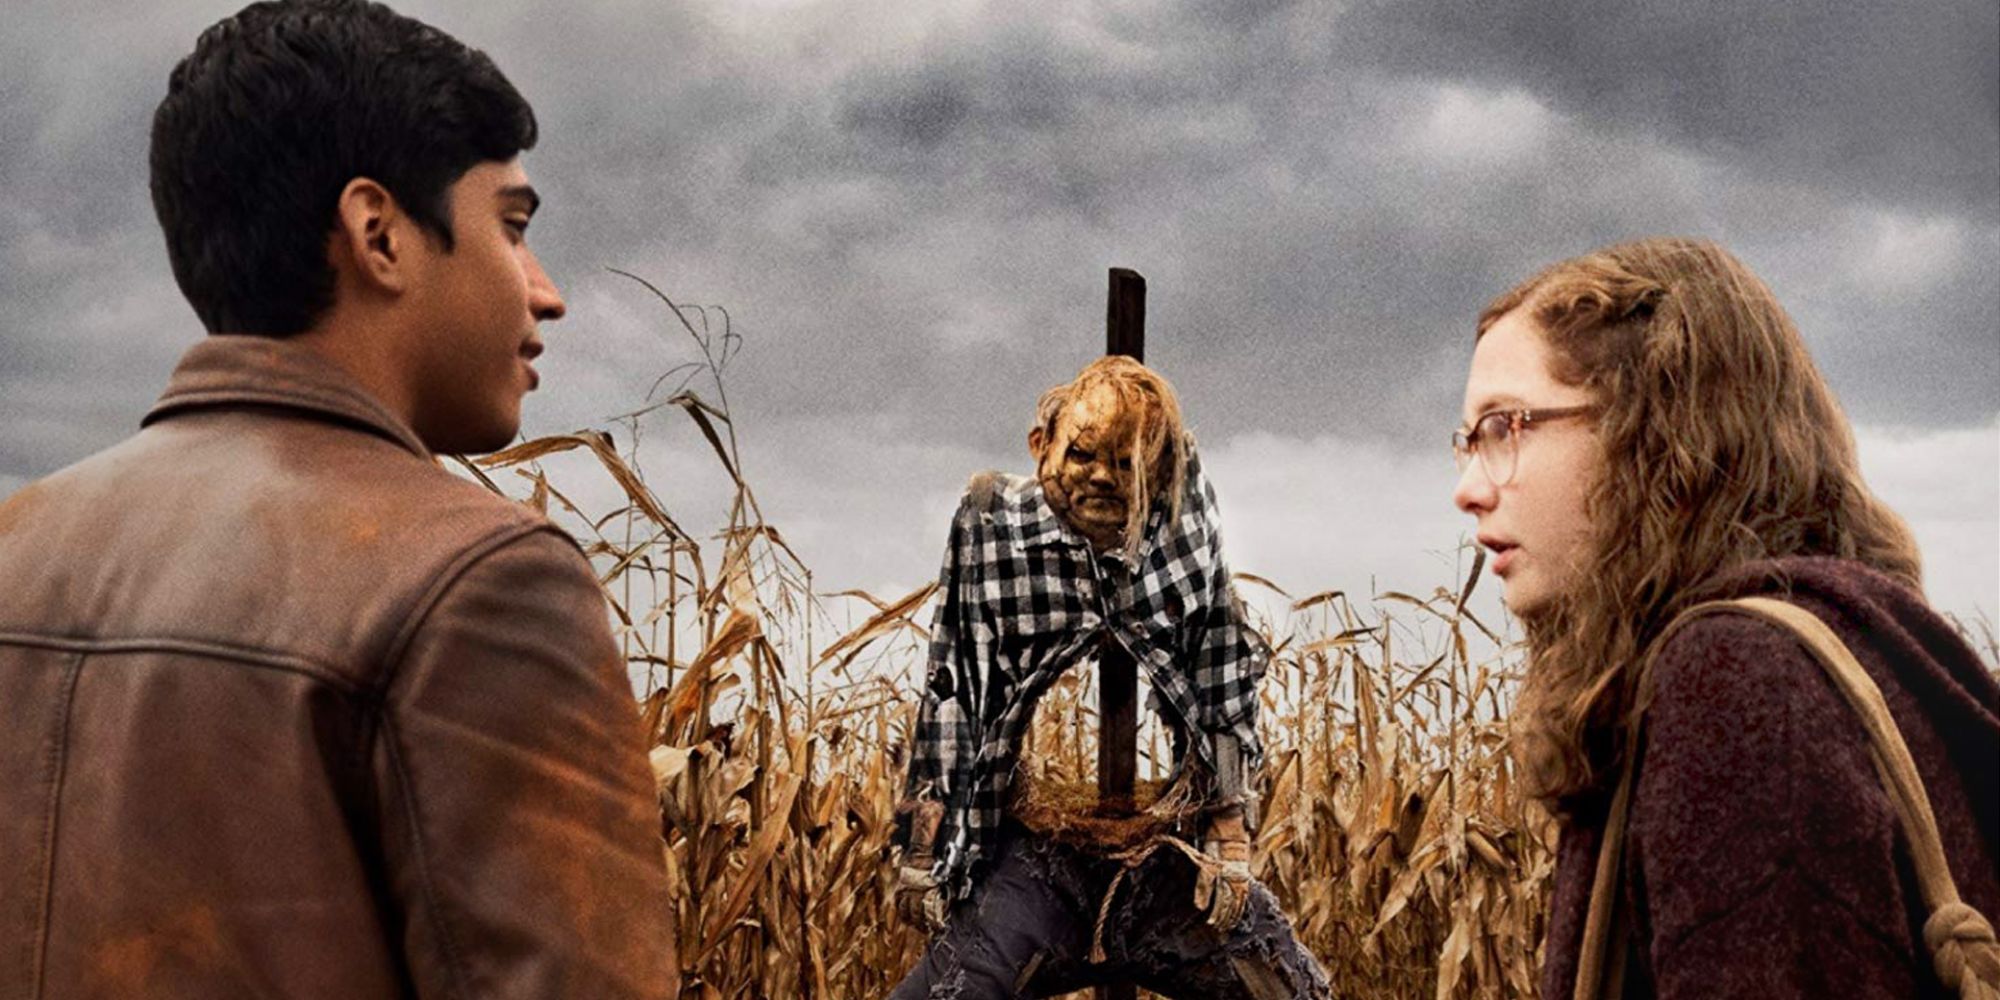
x=1032 y=886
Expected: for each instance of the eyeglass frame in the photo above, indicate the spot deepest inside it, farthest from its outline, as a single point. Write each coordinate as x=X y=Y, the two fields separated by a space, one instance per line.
x=1465 y=441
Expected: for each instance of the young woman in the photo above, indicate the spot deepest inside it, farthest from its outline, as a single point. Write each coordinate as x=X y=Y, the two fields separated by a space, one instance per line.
x=1644 y=431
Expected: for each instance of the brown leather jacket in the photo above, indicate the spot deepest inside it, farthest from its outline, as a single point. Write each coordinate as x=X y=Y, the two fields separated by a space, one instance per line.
x=286 y=710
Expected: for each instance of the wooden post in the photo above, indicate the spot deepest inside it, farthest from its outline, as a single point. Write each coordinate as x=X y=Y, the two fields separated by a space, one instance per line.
x=1117 y=675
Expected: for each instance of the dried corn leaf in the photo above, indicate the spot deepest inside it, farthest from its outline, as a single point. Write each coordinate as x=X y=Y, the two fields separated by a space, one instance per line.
x=883 y=622
x=761 y=852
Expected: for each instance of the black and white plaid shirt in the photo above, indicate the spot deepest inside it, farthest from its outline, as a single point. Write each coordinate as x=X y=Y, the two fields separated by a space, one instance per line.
x=1023 y=598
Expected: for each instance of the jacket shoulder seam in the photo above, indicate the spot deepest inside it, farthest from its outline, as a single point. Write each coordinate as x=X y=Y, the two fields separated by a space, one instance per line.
x=243 y=655
x=442 y=583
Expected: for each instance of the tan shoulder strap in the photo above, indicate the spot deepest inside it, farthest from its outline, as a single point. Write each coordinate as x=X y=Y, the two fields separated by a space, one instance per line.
x=1592 y=982
x=1961 y=941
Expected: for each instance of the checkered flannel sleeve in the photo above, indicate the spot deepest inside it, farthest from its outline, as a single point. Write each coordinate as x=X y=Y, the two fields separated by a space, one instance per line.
x=942 y=747
x=1229 y=655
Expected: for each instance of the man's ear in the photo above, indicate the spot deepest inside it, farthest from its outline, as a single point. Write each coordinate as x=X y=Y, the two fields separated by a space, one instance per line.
x=374 y=235
x=1036 y=442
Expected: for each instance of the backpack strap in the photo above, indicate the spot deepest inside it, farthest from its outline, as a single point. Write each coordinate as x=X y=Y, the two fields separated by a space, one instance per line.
x=1602 y=942
x=1961 y=941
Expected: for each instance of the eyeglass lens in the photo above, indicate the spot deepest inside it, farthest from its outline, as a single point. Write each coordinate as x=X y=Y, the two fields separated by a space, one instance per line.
x=1494 y=442
x=1498 y=447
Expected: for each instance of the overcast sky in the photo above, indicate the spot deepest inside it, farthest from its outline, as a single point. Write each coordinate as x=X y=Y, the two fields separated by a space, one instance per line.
x=909 y=208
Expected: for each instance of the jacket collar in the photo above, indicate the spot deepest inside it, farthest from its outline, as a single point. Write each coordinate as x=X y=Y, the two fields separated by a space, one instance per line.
x=231 y=370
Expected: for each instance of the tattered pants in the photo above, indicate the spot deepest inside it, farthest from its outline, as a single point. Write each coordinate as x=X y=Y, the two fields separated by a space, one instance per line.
x=1026 y=932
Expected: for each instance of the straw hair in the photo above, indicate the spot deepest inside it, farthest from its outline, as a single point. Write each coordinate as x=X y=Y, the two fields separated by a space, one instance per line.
x=1048 y=409
x=1719 y=443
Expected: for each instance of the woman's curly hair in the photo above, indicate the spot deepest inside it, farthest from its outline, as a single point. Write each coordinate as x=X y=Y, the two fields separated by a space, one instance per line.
x=1719 y=444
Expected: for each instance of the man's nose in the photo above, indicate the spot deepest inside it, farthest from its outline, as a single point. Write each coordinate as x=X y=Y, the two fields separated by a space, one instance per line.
x=544 y=302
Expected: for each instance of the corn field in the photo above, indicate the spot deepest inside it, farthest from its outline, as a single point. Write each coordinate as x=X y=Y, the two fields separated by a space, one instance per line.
x=1390 y=830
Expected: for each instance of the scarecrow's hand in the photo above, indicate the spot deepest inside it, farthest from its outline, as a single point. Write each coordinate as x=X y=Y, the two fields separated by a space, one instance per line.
x=919 y=900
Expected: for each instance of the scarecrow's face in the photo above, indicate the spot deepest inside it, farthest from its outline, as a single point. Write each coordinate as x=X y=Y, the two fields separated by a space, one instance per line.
x=1086 y=465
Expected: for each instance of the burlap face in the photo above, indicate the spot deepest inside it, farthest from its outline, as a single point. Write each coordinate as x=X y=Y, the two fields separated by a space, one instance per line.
x=1087 y=467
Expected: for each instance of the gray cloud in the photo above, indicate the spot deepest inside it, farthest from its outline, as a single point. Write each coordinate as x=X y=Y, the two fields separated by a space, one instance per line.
x=966 y=186
x=1885 y=101
x=909 y=210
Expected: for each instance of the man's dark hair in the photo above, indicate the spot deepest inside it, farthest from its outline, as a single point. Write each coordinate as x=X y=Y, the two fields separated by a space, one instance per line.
x=276 y=110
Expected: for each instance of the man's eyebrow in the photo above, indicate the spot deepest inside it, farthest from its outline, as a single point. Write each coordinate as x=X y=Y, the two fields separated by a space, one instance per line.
x=522 y=193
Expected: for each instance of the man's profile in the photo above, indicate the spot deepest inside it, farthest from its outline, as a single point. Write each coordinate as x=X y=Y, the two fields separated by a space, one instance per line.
x=285 y=708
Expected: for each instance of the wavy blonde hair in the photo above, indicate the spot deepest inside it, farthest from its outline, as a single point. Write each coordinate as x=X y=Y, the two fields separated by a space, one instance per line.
x=1159 y=440
x=1719 y=443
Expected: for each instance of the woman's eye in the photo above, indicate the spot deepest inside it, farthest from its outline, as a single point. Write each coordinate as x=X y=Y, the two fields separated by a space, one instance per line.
x=1496 y=427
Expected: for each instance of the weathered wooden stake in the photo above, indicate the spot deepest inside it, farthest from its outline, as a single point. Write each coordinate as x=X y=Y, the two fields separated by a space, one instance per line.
x=1117 y=675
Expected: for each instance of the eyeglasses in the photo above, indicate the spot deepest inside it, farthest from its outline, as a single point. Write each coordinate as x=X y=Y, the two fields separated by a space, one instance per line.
x=1496 y=439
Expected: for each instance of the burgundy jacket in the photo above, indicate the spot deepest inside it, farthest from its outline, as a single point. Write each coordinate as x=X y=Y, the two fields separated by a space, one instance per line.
x=287 y=710
x=1763 y=857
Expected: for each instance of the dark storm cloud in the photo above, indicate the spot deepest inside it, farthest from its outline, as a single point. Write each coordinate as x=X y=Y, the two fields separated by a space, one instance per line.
x=920 y=113
x=951 y=200
x=909 y=209
x=1889 y=101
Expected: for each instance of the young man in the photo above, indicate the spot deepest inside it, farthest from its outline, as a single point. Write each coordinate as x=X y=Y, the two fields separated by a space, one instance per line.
x=1115 y=540
x=288 y=709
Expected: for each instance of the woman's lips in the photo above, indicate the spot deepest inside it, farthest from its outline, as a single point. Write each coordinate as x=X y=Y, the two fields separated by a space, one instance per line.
x=1503 y=554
